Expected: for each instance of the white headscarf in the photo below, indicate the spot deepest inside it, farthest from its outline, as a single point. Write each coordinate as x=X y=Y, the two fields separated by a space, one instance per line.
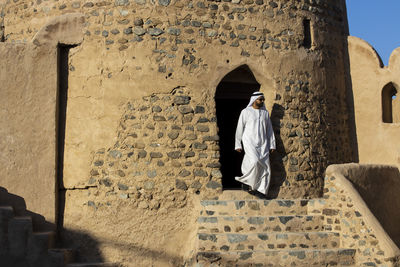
x=254 y=97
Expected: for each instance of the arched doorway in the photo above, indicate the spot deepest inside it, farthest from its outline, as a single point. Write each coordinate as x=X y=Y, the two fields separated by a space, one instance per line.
x=232 y=95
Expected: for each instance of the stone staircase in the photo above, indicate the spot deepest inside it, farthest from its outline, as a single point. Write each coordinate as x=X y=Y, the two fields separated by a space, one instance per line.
x=241 y=230
x=21 y=246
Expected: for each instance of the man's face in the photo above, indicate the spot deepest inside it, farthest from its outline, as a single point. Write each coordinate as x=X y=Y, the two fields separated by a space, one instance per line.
x=259 y=101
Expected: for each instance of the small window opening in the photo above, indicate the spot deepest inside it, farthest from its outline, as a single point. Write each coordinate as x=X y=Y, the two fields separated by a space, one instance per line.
x=307 y=33
x=390 y=104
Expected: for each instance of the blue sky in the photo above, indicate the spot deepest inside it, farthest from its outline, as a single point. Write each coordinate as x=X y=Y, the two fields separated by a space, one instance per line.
x=377 y=22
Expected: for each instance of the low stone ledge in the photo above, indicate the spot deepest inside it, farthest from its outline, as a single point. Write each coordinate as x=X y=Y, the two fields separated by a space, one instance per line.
x=355 y=180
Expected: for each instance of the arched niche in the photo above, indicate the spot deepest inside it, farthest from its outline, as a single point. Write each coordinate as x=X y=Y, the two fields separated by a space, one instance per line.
x=390 y=104
x=231 y=96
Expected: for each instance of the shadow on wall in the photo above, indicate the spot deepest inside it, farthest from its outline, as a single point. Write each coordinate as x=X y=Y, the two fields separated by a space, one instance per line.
x=19 y=205
x=85 y=247
x=379 y=186
x=133 y=253
x=350 y=104
x=278 y=175
x=21 y=246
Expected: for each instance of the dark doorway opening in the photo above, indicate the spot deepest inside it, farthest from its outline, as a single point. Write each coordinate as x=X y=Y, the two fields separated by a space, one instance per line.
x=61 y=115
x=232 y=95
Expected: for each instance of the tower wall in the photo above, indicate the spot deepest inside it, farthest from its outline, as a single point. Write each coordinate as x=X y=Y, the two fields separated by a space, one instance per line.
x=141 y=134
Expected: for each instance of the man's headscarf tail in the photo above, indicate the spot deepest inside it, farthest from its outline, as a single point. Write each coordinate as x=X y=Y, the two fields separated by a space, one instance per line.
x=254 y=97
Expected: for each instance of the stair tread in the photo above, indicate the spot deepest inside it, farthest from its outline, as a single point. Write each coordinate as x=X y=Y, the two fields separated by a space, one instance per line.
x=22 y=218
x=278 y=233
x=257 y=221
x=6 y=214
x=65 y=255
x=93 y=264
x=281 y=250
x=6 y=207
x=44 y=233
x=220 y=201
x=259 y=207
x=314 y=257
x=267 y=241
x=263 y=216
x=241 y=194
x=61 y=249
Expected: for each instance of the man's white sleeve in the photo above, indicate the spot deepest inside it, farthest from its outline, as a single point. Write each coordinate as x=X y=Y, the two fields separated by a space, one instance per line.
x=239 y=132
x=270 y=134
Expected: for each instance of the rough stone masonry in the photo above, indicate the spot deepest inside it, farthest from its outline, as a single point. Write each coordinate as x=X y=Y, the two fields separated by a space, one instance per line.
x=141 y=134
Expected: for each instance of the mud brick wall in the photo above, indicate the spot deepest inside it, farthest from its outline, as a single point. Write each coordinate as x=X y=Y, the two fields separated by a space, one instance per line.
x=178 y=43
x=141 y=138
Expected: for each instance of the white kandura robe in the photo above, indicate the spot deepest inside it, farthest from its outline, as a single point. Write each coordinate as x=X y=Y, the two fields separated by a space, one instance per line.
x=255 y=131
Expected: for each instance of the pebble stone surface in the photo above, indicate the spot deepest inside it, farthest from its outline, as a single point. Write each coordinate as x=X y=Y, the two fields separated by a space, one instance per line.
x=149 y=143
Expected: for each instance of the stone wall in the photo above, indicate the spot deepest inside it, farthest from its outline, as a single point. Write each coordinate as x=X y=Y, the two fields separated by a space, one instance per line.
x=137 y=48
x=165 y=141
x=370 y=181
x=357 y=213
x=141 y=136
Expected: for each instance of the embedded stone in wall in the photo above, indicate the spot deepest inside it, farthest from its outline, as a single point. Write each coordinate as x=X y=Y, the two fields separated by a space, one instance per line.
x=143 y=152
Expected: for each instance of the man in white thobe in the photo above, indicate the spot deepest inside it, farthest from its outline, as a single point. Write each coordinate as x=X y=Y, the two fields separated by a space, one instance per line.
x=255 y=131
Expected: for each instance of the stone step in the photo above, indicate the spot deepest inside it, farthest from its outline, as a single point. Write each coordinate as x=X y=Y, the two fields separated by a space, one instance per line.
x=255 y=207
x=105 y=264
x=267 y=241
x=6 y=213
x=39 y=244
x=238 y=194
x=19 y=231
x=61 y=256
x=279 y=258
x=248 y=224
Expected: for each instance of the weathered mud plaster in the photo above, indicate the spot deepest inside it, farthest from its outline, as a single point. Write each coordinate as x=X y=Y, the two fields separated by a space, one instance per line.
x=141 y=126
x=67 y=29
x=378 y=142
x=29 y=103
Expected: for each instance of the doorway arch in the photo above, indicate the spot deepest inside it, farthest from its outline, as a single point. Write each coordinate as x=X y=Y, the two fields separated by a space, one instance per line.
x=231 y=96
